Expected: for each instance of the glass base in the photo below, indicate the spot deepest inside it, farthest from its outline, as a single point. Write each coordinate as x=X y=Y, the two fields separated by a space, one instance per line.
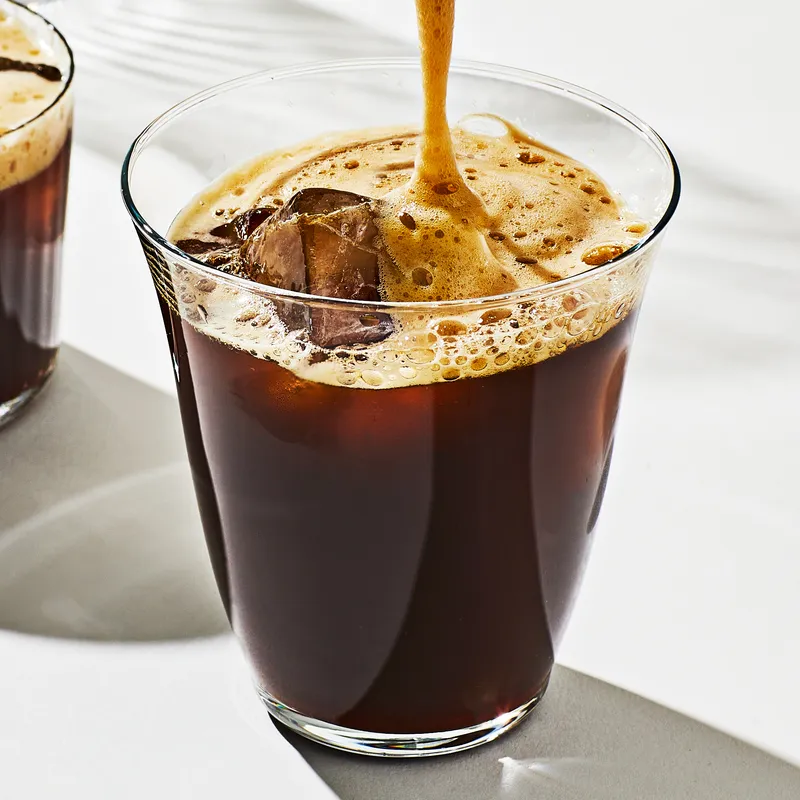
x=12 y=408
x=398 y=745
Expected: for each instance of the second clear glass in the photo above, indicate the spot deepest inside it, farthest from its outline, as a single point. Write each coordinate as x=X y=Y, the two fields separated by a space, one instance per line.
x=34 y=171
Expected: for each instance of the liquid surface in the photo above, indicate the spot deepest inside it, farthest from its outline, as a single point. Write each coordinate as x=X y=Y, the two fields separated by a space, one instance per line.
x=540 y=213
x=546 y=217
x=30 y=84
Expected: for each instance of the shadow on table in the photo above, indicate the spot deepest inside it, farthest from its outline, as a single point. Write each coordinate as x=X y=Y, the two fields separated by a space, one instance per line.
x=100 y=539
x=586 y=741
x=99 y=533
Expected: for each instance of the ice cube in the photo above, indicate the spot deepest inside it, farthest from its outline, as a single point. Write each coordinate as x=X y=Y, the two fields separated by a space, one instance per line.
x=323 y=242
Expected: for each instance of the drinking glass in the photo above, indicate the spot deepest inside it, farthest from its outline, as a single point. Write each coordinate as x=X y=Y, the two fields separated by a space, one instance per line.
x=398 y=530
x=34 y=169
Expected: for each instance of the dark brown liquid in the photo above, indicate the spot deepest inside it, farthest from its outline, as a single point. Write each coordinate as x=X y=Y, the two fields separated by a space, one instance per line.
x=31 y=227
x=400 y=560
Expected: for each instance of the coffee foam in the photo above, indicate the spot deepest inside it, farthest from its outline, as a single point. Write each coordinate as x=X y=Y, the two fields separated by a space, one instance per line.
x=523 y=187
x=30 y=140
x=536 y=211
x=427 y=346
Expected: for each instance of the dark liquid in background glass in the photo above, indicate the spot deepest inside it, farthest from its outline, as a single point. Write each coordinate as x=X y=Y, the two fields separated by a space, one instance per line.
x=399 y=560
x=31 y=227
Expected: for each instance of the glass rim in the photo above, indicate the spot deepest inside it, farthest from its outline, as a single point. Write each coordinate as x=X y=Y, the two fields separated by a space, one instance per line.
x=463 y=67
x=65 y=84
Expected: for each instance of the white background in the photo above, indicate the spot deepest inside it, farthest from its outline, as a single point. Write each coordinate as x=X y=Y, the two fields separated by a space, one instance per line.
x=693 y=595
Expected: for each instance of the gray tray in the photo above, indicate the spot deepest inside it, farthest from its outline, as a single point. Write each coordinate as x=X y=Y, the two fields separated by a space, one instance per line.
x=94 y=428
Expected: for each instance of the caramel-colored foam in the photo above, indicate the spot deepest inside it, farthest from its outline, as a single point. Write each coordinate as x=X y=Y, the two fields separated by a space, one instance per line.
x=27 y=149
x=541 y=212
x=431 y=345
x=463 y=214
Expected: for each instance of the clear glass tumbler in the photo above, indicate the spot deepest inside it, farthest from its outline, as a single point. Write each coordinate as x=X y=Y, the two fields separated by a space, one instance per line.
x=34 y=169
x=399 y=542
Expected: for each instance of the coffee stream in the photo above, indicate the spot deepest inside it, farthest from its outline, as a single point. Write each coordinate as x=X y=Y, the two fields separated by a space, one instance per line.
x=436 y=201
x=436 y=162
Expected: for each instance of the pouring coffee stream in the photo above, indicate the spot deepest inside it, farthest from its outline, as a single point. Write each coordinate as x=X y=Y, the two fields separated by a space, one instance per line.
x=436 y=161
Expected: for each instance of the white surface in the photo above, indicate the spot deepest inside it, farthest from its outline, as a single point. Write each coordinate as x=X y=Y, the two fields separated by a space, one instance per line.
x=692 y=596
x=177 y=721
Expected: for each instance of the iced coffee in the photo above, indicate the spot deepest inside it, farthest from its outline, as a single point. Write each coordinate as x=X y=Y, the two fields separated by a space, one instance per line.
x=35 y=138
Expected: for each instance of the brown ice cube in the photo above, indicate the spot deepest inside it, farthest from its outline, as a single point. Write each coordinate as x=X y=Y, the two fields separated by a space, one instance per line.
x=219 y=247
x=242 y=225
x=323 y=242
x=321 y=201
x=198 y=247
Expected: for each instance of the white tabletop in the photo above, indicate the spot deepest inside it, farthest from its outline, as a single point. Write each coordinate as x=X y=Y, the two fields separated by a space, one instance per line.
x=692 y=595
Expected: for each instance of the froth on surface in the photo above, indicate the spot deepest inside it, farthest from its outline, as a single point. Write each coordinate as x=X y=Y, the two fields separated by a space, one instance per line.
x=538 y=211
x=472 y=341
x=540 y=216
x=29 y=139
